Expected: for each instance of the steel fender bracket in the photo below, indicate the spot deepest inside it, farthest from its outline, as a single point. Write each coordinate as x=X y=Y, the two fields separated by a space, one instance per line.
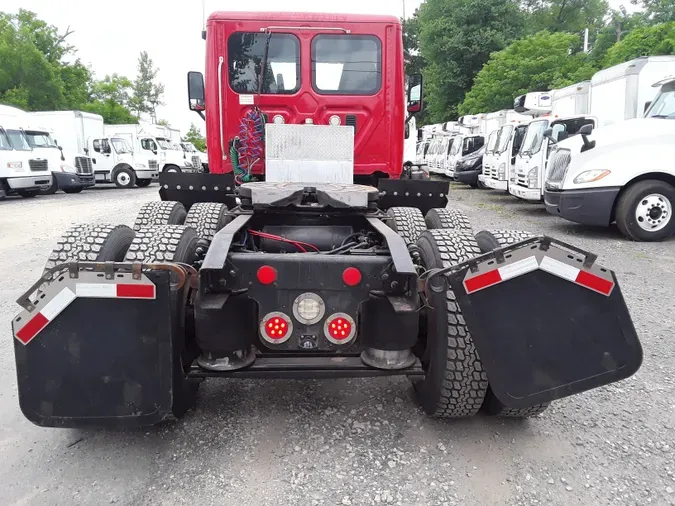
x=424 y=195
x=192 y=188
x=101 y=355
x=543 y=336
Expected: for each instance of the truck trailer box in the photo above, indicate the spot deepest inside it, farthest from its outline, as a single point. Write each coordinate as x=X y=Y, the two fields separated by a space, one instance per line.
x=571 y=100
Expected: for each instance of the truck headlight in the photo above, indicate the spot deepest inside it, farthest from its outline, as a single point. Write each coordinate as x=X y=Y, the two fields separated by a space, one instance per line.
x=533 y=178
x=15 y=165
x=590 y=176
x=501 y=171
x=68 y=168
x=141 y=166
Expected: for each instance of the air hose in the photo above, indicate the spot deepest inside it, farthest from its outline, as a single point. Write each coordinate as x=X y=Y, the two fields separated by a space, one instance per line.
x=247 y=148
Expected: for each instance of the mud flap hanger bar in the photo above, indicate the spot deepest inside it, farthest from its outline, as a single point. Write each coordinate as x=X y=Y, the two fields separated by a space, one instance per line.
x=498 y=255
x=182 y=271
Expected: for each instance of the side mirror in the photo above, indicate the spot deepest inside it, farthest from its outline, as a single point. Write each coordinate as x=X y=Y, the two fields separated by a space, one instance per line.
x=415 y=93
x=548 y=133
x=647 y=104
x=586 y=130
x=154 y=151
x=196 y=91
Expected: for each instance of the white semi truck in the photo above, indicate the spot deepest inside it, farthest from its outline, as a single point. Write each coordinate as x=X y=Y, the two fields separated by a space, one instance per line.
x=541 y=134
x=153 y=141
x=623 y=173
x=22 y=170
x=113 y=160
x=624 y=91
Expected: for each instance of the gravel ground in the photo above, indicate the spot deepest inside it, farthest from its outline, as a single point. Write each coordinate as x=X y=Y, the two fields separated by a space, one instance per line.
x=352 y=441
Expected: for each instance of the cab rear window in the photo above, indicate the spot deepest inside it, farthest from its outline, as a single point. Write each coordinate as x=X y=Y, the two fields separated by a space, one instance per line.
x=346 y=64
x=245 y=53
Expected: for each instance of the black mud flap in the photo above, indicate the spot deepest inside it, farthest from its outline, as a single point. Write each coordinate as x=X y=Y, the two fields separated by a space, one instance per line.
x=98 y=353
x=191 y=188
x=422 y=194
x=547 y=322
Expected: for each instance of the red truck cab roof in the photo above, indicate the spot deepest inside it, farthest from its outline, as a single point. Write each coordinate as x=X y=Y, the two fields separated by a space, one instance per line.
x=319 y=66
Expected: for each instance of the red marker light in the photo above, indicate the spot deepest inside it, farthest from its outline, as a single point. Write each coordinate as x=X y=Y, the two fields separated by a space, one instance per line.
x=267 y=275
x=276 y=328
x=351 y=276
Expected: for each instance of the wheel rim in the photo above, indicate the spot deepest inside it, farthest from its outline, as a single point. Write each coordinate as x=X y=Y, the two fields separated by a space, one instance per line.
x=171 y=170
x=123 y=178
x=654 y=212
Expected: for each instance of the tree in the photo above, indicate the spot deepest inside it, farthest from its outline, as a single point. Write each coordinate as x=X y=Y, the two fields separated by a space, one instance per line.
x=618 y=26
x=147 y=93
x=657 y=11
x=643 y=41
x=195 y=137
x=540 y=62
x=164 y=122
x=456 y=38
x=113 y=113
x=565 y=15
x=111 y=97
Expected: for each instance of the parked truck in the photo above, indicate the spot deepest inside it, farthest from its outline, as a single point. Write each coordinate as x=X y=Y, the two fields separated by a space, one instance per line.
x=22 y=170
x=622 y=173
x=571 y=100
x=299 y=272
x=625 y=91
x=153 y=142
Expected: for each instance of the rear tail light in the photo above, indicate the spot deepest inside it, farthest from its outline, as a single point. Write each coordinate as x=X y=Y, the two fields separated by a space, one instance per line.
x=276 y=328
x=340 y=328
x=351 y=276
x=267 y=275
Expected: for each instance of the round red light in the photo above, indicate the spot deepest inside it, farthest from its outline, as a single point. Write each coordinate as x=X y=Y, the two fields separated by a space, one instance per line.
x=339 y=329
x=351 y=276
x=276 y=328
x=267 y=275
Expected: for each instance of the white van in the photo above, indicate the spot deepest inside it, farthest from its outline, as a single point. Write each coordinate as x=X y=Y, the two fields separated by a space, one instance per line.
x=22 y=170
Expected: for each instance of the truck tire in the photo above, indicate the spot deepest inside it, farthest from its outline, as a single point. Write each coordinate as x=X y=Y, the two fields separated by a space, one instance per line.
x=645 y=211
x=172 y=168
x=28 y=194
x=142 y=183
x=489 y=241
x=447 y=218
x=53 y=188
x=160 y=213
x=455 y=383
x=408 y=222
x=92 y=243
x=124 y=177
x=74 y=190
x=207 y=219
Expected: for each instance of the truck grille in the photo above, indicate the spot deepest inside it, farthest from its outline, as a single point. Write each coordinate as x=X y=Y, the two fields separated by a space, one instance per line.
x=196 y=162
x=38 y=165
x=153 y=164
x=557 y=165
x=521 y=180
x=83 y=165
x=486 y=170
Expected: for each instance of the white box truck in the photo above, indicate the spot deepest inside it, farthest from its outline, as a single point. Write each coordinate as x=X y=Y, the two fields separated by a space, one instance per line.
x=22 y=170
x=571 y=100
x=153 y=141
x=113 y=160
x=624 y=91
x=530 y=166
x=623 y=173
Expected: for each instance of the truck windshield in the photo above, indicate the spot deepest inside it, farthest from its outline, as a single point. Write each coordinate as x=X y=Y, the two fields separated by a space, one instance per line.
x=534 y=137
x=456 y=146
x=492 y=141
x=346 y=64
x=504 y=138
x=188 y=147
x=245 y=52
x=18 y=140
x=121 y=146
x=163 y=143
x=4 y=141
x=664 y=104
x=40 y=140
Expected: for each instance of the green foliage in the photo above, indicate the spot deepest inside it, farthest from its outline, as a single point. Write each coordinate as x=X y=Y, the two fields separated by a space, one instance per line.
x=619 y=25
x=537 y=63
x=195 y=137
x=147 y=92
x=110 y=98
x=657 y=11
x=643 y=41
x=565 y=15
x=456 y=38
x=113 y=113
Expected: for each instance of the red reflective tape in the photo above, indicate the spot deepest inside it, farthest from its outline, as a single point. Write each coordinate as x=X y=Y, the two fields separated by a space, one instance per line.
x=30 y=330
x=482 y=281
x=594 y=282
x=136 y=291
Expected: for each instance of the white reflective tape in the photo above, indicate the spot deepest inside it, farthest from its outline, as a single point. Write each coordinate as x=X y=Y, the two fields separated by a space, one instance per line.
x=52 y=309
x=100 y=290
x=519 y=268
x=557 y=268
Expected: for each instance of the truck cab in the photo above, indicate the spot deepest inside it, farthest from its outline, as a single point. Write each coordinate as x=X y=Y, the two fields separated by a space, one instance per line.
x=22 y=170
x=200 y=160
x=490 y=156
x=621 y=173
x=462 y=145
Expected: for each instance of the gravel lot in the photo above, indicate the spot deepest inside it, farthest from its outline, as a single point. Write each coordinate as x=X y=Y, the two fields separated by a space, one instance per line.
x=360 y=441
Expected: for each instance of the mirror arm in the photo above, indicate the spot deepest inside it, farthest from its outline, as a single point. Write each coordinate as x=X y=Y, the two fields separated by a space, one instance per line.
x=201 y=115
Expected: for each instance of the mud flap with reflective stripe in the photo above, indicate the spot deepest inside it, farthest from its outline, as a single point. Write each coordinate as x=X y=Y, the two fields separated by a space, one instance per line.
x=546 y=324
x=98 y=352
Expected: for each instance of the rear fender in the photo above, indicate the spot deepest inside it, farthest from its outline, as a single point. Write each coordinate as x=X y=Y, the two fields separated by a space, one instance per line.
x=547 y=321
x=98 y=350
x=422 y=194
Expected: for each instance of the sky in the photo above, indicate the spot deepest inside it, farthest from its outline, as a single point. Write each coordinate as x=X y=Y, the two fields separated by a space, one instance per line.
x=111 y=37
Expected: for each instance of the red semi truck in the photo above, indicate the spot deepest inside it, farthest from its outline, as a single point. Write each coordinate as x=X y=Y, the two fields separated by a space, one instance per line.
x=277 y=265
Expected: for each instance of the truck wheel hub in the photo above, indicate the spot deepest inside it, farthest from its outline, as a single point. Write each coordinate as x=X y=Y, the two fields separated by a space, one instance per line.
x=653 y=212
x=123 y=178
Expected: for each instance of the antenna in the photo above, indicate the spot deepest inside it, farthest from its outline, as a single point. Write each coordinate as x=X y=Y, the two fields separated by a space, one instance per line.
x=204 y=19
